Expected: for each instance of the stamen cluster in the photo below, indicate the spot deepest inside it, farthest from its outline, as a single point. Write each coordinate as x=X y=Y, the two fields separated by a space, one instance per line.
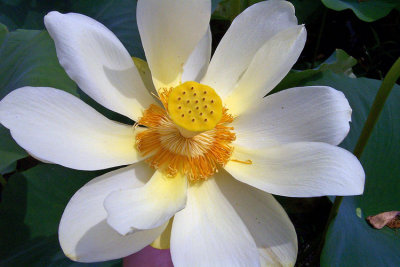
x=197 y=157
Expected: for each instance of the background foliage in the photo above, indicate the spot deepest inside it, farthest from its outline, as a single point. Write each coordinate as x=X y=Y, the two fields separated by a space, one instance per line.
x=34 y=194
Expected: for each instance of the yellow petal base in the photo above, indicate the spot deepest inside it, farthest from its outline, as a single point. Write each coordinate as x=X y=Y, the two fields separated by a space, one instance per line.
x=162 y=242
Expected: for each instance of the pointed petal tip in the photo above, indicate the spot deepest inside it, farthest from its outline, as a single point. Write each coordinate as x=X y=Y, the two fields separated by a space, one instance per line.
x=51 y=17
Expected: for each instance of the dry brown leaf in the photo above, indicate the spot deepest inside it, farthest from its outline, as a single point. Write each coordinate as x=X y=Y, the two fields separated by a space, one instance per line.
x=390 y=219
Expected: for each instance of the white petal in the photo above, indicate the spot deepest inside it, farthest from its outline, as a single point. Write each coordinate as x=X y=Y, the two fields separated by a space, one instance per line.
x=170 y=30
x=209 y=232
x=84 y=233
x=304 y=169
x=197 y=64
x=266 y=220
x=269 y=66
x=98 y=62
x=57 y=127
x=312 y=114
x=248 y=32
x=146 y=207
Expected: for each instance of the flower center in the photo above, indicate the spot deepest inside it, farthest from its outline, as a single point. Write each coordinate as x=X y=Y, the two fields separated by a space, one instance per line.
x=194 y=107
x=190 y=135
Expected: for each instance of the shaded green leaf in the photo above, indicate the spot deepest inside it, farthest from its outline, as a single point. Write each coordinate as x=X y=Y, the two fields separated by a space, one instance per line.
x=339 y=62
x=3 y=32
x=305 y=9
x=28 y=58
x=10 y=152
x=214 y=4
x=228 y=9
x=32 y=205
x=117 y=15
x=368 y=11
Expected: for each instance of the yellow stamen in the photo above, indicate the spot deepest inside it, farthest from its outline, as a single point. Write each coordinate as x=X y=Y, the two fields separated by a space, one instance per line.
x=249 y=162
x=198 y=157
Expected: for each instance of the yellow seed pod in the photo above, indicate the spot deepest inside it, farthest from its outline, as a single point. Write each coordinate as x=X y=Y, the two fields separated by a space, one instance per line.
x=194 y=107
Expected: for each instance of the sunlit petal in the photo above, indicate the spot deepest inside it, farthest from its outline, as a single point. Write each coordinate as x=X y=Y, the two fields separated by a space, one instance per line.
x=209 y=232
x=269 y=66
x=312 y=114
x=304 y=169
x=247 y=34
x=98 y=62
x=266 y=220
x=147 y=207
x=170 y=31
x=57 y=127
x=84 y=233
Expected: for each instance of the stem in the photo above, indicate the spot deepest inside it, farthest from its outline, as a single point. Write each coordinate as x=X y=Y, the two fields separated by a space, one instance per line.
x=373 y=116
x=377 y=106
x=3 y=181
x=321 y=29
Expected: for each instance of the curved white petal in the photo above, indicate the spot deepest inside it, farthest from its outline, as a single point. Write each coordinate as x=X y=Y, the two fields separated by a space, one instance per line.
x=146 y=207
x=197 y=64
x=170 y=30
x=304 y=169
x=209 y=232
x=57 y=127
x=98 y=62
x=269 y=66
x=248 y=32
x=266 y=220
x=312 y=114
x=84 y=233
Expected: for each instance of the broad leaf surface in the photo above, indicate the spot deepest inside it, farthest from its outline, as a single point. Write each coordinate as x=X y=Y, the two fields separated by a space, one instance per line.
x=339 y=62
x=31 y=208
x=368 y=11
x=28 y=58
x=10 y=152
